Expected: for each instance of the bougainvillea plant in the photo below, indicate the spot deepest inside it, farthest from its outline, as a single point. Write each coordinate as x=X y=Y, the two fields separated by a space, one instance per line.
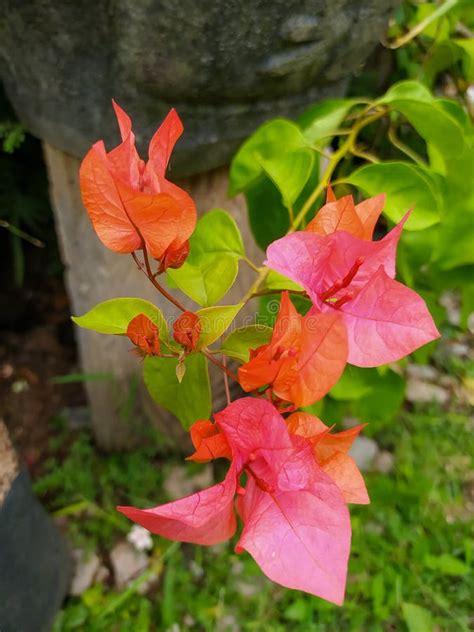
x=290 y=476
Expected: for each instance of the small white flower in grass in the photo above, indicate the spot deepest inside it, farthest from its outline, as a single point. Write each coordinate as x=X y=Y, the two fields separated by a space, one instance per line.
x=140 y=538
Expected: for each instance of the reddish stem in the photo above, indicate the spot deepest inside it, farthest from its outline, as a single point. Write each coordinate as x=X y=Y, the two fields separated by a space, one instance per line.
x=148 y=271
x=167 y=295
x=214 y=360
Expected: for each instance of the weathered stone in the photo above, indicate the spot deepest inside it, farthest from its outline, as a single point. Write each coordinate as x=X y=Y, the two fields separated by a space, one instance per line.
x=424 y=392
x=422 y=372
x=226 y=66
x=384 y=462
x=85 y=570
x=363 y=451
x=127 y=563
x=179 y=483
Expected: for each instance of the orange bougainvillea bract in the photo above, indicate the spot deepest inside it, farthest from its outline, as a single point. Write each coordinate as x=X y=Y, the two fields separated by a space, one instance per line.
x=331 y=454
x=187 y=329
x=144 y=334
x=131 y=203
x=304 y=359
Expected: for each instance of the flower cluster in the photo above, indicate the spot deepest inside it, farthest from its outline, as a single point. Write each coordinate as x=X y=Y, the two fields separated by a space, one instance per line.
x=290 y=477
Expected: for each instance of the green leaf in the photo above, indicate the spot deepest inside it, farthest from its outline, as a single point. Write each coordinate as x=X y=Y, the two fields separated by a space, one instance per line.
x=353 y=384
x=269 y=141
x=384 y=399
x=215 y=321
x=468 y=63
x=430 y=120
x=290 y=172
x=467 y=301
x=207 y=281
x=418 y=619
x=190 y=400
x=212 y=266
x=442 y=55
x=439 y=27
x=240 y=341
x=268 y=217
x=447 y=565
x=114 y=315
x=276 y=281
x=321 y=120
x=216 y=233
x=406 y=186
x=74 y=378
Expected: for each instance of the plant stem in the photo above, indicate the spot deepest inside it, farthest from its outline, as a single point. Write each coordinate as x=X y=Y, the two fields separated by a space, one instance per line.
x=219 y=364
x=396 y=142
x=420 y=27
x=335 y=159
x=251 y=264
x=226 y=380
x=148 y=271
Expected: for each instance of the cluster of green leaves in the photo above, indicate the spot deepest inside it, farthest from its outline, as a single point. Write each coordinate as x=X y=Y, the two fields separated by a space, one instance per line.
x=411 y=562
x=443 y=42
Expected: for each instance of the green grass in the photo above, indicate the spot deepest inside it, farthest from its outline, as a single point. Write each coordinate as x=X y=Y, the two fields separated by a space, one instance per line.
x=411 y=553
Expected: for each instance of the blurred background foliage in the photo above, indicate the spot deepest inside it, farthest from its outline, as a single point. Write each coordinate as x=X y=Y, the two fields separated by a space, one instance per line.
x=412 y=547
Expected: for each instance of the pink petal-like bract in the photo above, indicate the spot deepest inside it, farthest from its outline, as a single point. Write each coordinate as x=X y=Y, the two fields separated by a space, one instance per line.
x=353 y=277
x=300 y=539
x=296 y=523
x=206 y=517
x=385 y=322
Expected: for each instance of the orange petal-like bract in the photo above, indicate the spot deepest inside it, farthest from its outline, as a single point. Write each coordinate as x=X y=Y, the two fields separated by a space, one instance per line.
x=144 y=334
x=343 y=214
x=209 y=442
x=331 y=453
x=187 y=329
x=303 y=360
x=131 y=204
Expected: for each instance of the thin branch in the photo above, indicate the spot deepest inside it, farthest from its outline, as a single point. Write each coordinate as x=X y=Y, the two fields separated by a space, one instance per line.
x=148 y=271
x=226 y=380
x=219 y=364
x=251 y=264
x=365 y=155
x=396 y=142
x=17 y=232
x=420 y=27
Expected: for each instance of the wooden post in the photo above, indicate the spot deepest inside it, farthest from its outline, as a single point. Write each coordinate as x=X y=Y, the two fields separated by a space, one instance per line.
x=120 y=408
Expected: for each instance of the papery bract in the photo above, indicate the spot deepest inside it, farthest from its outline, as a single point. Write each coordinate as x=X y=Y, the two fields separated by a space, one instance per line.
x=304 y=359
x=343 y=214
x=331 y=453
x=174 y=257
x=353 y=277
x=296 y=523
x=131 y=204
x=144 y=334
x=209 y=441
x=187 y=329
